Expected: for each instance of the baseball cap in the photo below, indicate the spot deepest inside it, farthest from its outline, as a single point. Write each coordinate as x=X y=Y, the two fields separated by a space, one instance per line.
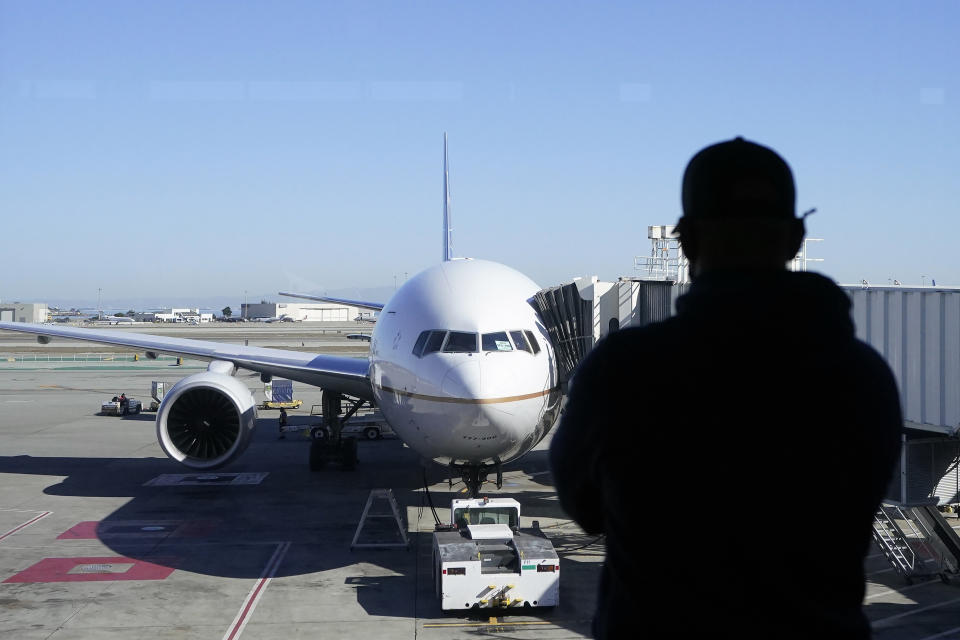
x=738 y=179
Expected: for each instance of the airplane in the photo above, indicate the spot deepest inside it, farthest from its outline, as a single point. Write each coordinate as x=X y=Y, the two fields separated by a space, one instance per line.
x=460 y=365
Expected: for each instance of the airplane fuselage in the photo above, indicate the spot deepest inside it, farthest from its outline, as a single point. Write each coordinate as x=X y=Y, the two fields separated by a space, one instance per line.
x=461 y=367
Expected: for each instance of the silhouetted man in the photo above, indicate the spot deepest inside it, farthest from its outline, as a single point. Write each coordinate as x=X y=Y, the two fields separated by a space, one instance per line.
x=755 y=401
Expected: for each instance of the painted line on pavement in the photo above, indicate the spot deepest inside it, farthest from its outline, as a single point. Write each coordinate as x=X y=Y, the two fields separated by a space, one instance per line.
x=437 y=625
x=250 y=603
x=885 y=622
x=942 y=634
x=25 y=524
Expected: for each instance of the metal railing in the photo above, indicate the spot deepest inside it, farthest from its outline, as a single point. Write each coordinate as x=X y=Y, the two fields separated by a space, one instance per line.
x=80 y=359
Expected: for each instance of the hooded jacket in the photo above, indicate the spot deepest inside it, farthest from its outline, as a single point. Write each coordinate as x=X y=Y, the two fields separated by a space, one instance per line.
x=734 y=456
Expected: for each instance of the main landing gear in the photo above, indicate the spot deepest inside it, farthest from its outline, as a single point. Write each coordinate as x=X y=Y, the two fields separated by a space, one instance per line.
x=327 y=444
x=474 y=476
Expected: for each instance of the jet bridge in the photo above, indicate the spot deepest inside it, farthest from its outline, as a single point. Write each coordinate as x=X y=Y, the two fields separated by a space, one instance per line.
x=568 y=319
x=578 y=314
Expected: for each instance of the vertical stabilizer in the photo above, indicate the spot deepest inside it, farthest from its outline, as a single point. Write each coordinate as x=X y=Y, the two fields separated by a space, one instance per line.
x=447 y=230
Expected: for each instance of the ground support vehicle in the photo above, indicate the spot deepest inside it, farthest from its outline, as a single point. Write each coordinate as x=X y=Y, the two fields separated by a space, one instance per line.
x=367 y=423
x=114 y=407
x=157 y=391
x=482 y=559
x=279 y=395
x=268 y=404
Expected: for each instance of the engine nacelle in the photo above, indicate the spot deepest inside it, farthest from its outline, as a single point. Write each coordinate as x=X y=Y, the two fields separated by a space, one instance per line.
x=206 y=420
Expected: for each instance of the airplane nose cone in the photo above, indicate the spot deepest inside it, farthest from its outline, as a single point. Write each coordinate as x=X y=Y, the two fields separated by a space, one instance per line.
x=463 y=380
x=483 y=429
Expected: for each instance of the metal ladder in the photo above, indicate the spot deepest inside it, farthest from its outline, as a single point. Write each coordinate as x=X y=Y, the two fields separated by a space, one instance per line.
x=893 y=543
x=383 y=494
x=914 y=548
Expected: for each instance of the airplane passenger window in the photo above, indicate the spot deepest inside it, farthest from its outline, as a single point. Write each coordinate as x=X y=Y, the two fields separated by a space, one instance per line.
x=519 y=340
x=421 y=341
x=533 y=341
x=496 y=342
x=461 y=342
x=434 y=342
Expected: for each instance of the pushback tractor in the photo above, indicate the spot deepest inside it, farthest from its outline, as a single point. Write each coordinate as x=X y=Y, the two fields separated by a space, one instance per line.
x=483 y=560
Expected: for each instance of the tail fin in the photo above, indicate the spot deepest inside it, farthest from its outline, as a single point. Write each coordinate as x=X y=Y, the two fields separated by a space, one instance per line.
x=447 y=230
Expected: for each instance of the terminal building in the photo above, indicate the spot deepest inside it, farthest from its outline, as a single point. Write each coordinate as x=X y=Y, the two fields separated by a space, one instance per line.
x=304 y=311
x=24 y=312
x=190 y=316
x=915 y=329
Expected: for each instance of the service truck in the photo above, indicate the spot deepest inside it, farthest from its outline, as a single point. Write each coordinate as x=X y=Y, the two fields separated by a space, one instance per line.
x=119 y=406
x=483 y=560
x=278 y=394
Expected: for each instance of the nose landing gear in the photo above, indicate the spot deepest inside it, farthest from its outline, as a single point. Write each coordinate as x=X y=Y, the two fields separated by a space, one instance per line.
x=474 y=475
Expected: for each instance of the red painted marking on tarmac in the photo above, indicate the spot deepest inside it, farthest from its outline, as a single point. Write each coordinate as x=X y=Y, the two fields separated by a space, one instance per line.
x=58 y=570
x=81 y=531
x=246 y=610
x=94 y=529
x=238 y=624
x=25 y=524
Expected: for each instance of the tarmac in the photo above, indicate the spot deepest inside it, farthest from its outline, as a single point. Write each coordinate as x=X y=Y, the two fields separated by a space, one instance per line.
x=101 y=536
x=98 y=540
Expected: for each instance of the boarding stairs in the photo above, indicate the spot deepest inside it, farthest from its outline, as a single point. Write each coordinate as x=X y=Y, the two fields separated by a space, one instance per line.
x=917 y=541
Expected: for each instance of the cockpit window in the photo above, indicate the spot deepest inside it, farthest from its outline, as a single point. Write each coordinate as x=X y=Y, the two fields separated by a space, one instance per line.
x=497 y=341
x=533 y=341
x=434 y=342
x=421 y=341
x=519 y=341
x=461 y=342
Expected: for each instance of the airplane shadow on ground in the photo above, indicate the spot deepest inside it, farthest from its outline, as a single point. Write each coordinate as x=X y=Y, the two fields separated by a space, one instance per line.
x=233 y=531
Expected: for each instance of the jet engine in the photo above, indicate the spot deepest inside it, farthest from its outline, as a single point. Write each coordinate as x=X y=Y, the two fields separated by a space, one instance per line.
x=206 y=420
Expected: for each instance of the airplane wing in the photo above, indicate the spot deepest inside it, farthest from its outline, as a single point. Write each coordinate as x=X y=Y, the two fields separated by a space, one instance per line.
x=376 y=306
x=338 y=373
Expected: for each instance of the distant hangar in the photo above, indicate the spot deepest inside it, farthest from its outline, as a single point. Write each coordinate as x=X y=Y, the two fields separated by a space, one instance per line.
x=24 y=312
x=304 y=311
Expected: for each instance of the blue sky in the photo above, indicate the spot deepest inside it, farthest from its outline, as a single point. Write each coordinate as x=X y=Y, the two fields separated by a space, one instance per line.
x=190 y=149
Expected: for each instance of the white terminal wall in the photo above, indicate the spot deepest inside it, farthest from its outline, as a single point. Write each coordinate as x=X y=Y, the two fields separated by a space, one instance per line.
x=310 y=312
x=917 y=331
x=24 y=312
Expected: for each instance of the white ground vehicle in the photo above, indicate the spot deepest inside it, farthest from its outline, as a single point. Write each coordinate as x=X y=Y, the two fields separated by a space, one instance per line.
x=482 y=560
x=367 y=423
x=115 y=407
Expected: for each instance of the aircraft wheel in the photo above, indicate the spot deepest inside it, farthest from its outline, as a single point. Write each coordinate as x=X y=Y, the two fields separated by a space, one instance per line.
x=371 y=433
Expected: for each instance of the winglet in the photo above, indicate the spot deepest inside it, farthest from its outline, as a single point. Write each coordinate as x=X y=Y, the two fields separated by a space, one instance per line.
x=447 y=231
